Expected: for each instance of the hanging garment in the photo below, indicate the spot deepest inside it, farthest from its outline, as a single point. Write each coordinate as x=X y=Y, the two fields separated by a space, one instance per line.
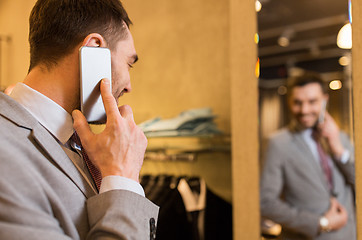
x=188 y=211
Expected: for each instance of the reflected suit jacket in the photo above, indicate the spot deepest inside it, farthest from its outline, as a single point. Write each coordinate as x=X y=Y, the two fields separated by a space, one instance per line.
x=44 y=196
x=294 y=192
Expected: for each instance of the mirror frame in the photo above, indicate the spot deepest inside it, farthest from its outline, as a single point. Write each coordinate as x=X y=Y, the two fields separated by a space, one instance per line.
x=357 y=102
x=244 y=120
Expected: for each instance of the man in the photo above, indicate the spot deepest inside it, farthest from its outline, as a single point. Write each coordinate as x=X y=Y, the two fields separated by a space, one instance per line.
x=308 y=177
x=47 y=190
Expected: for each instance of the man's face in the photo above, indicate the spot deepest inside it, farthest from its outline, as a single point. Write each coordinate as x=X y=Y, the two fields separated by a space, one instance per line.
x=123 y=57
x=306 y=103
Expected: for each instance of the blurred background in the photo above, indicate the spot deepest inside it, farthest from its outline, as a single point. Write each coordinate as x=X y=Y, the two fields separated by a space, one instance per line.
x=294 y=37
x=297 y=36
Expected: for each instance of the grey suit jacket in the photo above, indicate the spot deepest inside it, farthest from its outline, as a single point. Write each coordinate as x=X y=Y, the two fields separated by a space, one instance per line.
x=294 y=191
x=44 y=196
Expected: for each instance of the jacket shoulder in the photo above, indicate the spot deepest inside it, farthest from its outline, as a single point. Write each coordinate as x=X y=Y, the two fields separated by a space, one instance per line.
x=282 y=136
x=12 y=111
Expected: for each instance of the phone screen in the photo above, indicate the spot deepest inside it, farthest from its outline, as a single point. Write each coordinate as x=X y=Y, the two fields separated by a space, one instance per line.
x=323 y=112
x=95 y=64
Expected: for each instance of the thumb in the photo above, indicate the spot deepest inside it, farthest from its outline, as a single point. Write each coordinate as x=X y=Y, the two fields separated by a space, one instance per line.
x=334 y=203
x=127 y=113
x=81 y=126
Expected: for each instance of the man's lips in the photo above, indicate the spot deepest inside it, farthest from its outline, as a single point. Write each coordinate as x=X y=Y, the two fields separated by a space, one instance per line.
x=307 y=117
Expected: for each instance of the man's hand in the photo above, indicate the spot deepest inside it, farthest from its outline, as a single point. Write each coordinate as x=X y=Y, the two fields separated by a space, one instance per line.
x=330 y=131
x=337 y=215
x=120 y=148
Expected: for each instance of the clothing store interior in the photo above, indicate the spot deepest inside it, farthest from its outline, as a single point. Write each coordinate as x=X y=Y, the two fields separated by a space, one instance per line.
x=208 y=90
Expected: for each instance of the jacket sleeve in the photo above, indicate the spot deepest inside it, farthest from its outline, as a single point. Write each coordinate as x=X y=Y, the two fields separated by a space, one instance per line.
x=121 y=214
x=348 y=168
x=29 y=209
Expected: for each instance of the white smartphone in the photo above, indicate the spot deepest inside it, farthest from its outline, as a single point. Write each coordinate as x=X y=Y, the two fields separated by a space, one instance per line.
x=323 y=112
x=95 y=64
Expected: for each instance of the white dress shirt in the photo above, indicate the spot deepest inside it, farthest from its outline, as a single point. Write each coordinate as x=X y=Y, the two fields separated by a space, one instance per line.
x=59 y=123
x=307 y=136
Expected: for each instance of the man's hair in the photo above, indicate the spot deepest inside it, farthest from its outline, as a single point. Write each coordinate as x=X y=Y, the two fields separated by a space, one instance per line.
x=304 y=79
x=56 y=27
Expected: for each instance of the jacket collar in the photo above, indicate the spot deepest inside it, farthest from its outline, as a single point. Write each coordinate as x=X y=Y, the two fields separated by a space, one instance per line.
x=15 y=113
x=305 y=152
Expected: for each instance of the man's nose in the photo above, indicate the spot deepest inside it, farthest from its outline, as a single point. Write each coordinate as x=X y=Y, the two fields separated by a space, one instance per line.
x=128 y=88
x=305 y=108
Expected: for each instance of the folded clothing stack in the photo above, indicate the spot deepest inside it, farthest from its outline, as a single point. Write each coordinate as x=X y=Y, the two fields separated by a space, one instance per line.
x=193 y=122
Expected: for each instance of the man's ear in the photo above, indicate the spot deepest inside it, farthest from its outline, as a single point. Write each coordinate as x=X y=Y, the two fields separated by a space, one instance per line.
x=94 y=40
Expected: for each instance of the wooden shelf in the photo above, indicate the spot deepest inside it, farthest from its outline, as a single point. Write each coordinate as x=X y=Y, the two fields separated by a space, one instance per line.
x=185 y=148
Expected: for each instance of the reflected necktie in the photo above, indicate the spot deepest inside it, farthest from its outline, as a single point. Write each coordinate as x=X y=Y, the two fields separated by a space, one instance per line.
x=323 y=158
x=96 y=174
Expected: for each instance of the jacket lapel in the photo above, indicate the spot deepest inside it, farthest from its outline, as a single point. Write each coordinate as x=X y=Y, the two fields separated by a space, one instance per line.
x=53 y=149
x=13 y=111
x=307 y=156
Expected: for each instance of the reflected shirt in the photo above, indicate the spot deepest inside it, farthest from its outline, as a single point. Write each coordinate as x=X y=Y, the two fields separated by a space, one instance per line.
x=307 y=136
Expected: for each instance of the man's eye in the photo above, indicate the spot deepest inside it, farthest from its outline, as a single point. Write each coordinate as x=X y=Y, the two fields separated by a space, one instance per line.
x=297 y=103
x=130 y=65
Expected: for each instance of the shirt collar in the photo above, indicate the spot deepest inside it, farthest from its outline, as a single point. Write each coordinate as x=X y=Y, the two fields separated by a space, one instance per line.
x=307 y=133
x=49 y=114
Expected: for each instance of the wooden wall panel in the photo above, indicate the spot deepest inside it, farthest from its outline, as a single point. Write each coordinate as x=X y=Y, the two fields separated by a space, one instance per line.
x=244 y=119
x=357 y=103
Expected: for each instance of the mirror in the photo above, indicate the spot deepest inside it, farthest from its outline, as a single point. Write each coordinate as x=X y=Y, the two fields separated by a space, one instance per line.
x=296 y=37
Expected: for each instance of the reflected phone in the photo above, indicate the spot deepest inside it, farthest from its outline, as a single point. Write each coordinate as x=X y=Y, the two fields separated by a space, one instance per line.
x=323 y=111
x=95 y=64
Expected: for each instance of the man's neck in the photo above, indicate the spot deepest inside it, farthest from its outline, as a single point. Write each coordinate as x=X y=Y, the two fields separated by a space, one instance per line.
x=60 y=83
x=294 y=126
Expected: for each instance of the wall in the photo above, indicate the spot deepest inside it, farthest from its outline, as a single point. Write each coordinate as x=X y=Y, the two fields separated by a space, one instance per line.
x=183 y=49
x=201 y=53
x=14 y=22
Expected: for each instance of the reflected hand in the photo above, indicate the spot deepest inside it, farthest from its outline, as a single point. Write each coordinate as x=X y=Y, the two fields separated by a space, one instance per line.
x=120 y=148
x=337 y=215
x=330 y=131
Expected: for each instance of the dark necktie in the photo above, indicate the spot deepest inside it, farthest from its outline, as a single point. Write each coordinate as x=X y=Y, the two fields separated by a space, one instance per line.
x=95 y=173
x=323 y=158
x=195 y=225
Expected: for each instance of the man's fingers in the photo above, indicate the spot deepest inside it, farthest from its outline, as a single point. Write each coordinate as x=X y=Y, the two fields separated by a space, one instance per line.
x=327 y=115
x=110 y=104
x=341 y=208
x=127 y=113
x=338 y=206
x=334 y=203
x=81 y=126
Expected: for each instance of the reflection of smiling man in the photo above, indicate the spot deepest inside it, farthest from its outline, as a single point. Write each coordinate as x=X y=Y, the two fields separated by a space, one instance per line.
x=308 y=177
